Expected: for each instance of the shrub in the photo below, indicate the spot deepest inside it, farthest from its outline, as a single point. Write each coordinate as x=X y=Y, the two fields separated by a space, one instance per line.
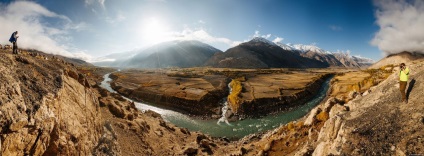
x=323 y=116
x=290 y=126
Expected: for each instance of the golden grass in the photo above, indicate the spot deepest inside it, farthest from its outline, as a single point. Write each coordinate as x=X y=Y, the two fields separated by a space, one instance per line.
x=234 y=98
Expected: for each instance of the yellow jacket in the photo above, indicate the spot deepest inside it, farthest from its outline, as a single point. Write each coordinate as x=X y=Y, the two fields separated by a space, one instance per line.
x=403 y=74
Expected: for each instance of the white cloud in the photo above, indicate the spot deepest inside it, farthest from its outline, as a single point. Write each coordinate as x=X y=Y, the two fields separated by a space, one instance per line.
x=258 y=34
x=204 y=36
x=118 y=18
x=278 y=39
x=25 y=17
x=335 y=28
x=201 y=22
x=101 y=3
x=401 y=25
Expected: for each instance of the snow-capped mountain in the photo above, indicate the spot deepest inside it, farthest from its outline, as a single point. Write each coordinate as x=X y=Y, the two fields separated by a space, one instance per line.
x=261 y=53
x=307 y=48
x=287 y=47
x=262 y=40
x=360 y=59
x=338 y=59
x=256 y=53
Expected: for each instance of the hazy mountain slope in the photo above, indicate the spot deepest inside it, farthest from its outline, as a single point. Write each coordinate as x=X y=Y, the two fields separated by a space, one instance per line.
x=173 y=54
x=261 y=53
x=362 y=61
x=334 y=59
x=323 y=57
x=396 y=59
x=346 y=59
x=116 y=59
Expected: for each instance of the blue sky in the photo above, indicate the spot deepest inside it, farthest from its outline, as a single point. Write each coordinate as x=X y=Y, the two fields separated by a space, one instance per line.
x=94 y=28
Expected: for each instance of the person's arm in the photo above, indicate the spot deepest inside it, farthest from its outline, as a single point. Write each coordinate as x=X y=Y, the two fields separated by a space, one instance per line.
x=406 y=71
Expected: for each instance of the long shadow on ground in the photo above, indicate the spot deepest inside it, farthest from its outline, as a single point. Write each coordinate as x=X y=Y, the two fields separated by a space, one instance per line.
x=410 y=86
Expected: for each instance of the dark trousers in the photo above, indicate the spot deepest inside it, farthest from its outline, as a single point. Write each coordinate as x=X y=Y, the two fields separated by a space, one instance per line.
x=402 y=86
x=15 y=48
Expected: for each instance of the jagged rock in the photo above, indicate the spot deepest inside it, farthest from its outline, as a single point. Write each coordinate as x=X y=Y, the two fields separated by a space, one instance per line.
x=261 y=153
x=207 y=146
x=103 y=102
x=320 y=149
x=190 y=151
x=329 y=104
x=153 y=114
x=330 y=138
x=116 y=110
x=366 y=92
x=311 y=118
x=268 y=146
x=336 y=109
x=71 y=73
x=144 y=127
x=167 y=126
x=307 y=150
x=159 y=133
x=352 y=94
x=22 y=59
x=185 y=131
x=103 y=92
x=200 y=137
x=108 y=144
x=330 y=129
x=18 y=125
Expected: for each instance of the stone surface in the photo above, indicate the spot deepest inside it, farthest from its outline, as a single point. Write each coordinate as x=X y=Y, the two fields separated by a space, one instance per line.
x=311 y=118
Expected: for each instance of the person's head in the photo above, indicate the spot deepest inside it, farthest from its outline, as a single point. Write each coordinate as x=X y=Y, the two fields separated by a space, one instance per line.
x=16 y=32
x=402 y=65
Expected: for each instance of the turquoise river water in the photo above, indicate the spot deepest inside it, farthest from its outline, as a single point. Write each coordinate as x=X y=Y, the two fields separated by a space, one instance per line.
x=236 y=129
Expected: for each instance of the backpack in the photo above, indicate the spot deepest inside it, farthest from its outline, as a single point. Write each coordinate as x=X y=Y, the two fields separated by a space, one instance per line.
x=12 y=39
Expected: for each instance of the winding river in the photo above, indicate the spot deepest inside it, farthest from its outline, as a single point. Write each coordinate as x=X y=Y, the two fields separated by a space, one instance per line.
x=236 y=129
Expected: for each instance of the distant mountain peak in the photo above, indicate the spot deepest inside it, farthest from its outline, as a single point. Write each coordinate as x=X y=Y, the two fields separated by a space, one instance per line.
x=313 y=48
x=288 y=47
x=361 y=59
x=262 y=40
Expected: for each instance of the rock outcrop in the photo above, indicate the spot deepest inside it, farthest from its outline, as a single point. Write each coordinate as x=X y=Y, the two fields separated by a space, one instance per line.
x=44 y=110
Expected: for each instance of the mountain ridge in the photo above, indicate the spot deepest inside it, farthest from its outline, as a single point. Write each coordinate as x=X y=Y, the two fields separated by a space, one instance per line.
x=196 y=54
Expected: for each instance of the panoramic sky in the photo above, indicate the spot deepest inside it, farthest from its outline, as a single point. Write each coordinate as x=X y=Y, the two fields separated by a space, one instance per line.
x=92 y=28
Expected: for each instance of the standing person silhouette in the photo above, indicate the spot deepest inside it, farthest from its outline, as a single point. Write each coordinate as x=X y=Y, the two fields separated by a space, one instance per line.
x=403 y=80
x=14 y=40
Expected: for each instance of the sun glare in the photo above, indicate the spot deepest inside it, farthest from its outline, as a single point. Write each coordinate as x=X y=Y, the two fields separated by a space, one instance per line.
x=154 y=31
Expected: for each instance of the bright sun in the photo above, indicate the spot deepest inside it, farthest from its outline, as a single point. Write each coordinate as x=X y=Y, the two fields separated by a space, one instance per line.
x=154 y=31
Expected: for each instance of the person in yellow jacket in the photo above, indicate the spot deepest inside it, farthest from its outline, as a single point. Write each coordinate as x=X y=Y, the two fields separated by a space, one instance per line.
x=403 y=80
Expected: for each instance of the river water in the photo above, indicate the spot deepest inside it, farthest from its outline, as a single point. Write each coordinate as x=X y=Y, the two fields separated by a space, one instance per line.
x=236 y=129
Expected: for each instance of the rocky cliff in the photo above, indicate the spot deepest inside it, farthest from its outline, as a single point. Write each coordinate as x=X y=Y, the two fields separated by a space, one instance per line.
x=46 y=107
